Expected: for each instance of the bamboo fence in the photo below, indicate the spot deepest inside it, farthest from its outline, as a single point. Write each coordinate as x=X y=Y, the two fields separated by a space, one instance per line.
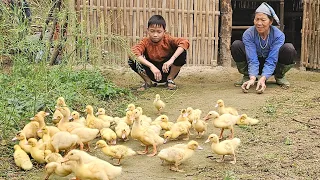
x=107 y=22
x=310 y=43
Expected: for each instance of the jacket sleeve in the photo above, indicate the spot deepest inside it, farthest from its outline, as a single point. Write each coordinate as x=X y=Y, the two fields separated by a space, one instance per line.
x=272 y=59
x=251 y=52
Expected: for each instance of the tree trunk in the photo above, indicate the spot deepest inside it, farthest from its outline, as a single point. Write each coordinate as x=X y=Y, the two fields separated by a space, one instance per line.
x=225 y=33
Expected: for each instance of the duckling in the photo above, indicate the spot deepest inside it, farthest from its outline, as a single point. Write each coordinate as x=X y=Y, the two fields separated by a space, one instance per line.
x=23 y=143
x=61 y=102
x=226 y=147
x=30 y=129
x=86 y=135
x=52 y=157
x=131 y=107
x=46 y=138
x=165 y=123
x=200 y=126
x=193 y=114
x=102 y=115
x=225 y=110
x=35 y=152
x=177 y=129
x=178 y=154
x=146 y=136
x=64 y=124
x=39 y=117
x=183 y=117
x=109 y=135
x=21 y=158
x=56 y=113
x=94 y=122
x=245 y=120
x=123 y=130
x=117 y=152
x=128 y=118
x=58 y=168
x=95 y=169
x=64 y=140
x=158 y=104
x=144 y=117
x=77 y=119
x=225 y=121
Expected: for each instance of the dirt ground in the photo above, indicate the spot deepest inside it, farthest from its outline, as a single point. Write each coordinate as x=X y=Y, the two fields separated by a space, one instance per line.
x=284 y=145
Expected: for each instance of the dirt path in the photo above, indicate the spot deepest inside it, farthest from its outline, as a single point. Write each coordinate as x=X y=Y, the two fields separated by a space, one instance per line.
x=277 y=148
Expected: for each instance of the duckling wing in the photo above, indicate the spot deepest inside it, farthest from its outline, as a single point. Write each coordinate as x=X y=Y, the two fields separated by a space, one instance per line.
x=171 y=154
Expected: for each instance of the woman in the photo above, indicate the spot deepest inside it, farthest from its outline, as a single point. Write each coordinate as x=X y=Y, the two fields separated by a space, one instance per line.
x=263 y=52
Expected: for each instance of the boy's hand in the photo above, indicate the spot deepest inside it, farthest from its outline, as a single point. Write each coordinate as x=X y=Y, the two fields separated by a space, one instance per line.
x=156 y=73
x=166 y=66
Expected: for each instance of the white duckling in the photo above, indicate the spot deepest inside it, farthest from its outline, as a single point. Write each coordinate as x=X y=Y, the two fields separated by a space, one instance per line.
x=245 y=120
x=225 y=121
x=36 y=153
x=109 y=135
x=23 y=143
x=93 y=121
x=123 y=130
x=158 y=104
x=146 y=136
x=75 y=116
x=178 y=154
x=64 y=140
x=86 y=135
x=95 y=169
x=21 y=158
x=225 y=110
x=226 y=147
x=117 y=152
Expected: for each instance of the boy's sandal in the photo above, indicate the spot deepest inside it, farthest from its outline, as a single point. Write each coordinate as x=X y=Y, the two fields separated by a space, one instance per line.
x=171 y=85
x=145 y=86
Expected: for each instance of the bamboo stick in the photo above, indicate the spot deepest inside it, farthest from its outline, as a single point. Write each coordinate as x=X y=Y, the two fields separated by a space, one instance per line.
x=318 y=31
x=210 y=33
x=130 y=32
x=194 y=58
x=190 y=21
x=303 y=35
x=216 y=34
x=203 y=41
x=176 y=19
x=145 y=18
x=184 y=18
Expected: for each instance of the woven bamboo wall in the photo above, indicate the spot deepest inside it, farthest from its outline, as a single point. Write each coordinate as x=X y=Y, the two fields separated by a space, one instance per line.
x=310 y=44
x=196 y=20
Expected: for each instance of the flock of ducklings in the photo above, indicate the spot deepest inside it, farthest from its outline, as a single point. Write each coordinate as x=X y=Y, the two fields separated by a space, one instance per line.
x=45 y=143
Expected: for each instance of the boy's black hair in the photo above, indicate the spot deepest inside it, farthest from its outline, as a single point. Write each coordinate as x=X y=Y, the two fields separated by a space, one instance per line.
x=157 y=20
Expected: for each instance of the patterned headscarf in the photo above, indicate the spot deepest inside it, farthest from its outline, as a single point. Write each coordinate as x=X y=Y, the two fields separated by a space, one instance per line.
x=268 y=10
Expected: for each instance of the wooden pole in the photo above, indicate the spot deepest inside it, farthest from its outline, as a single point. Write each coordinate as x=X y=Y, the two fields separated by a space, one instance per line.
x=225 y=31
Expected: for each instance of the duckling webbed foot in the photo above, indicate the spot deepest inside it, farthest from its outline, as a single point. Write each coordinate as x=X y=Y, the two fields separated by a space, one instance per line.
x=221 y=160
x=176 y=169
x=154 y=151
x=143 y=152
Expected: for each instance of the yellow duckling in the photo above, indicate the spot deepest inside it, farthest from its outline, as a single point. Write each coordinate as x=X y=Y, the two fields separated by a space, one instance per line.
x=178 y=154
x=86 y=135
x=52 y=157
x=58 y=168
x=30 y=129
x=158 y=104
x=109 y=135
x=21 y=158
x=226 y=147
x=95 y=169
x=102 y=115
x=131 y=107
x=200 y=126
x=193 y=114
x=165 y=123
x=123 y=130
x=46 y=138
x=146 y=136
x=225 y=121
x=93 y=121
x=56 y=113
x=245 y=120
x=39 y=117
x=128 y=118
x=117 y=152
x=61 y=102
x=143 y=117
x=35 y=152
x=64 y=124
x=75 y=116
x=225 y=110
x=23 y=143
x=177 y=129
x=64 y=140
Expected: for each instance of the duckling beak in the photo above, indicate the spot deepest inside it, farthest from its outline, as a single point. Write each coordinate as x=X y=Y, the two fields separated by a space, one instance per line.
x=47 y=114
x=39 y=131
x=32 y=118
x=70 y=117
x=185 y=115
x=165 y=140
x=216 y=105
x=205 y=118
x=14 y=139
x=96 y=147
x=64 y=160
x=127 y=109
x=97 y=113
x=123 y=135
x=200 y=148
x=208 y=140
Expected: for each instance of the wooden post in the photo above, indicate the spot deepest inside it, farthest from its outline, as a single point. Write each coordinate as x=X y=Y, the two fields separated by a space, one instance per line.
x=225 y=31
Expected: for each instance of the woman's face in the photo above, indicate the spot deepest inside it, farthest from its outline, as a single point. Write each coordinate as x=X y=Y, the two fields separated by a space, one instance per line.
x=262 y=23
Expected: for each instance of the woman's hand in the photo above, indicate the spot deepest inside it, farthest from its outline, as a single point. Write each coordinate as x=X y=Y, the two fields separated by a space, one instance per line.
x=261 y=86
x=156 y=73
x=166 y=65
x=246 y=85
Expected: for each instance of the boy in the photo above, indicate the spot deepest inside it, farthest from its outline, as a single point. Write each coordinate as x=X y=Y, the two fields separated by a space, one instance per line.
x=159 y=56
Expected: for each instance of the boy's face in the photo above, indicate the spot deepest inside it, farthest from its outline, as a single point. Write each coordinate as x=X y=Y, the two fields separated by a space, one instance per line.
x=156 y=33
